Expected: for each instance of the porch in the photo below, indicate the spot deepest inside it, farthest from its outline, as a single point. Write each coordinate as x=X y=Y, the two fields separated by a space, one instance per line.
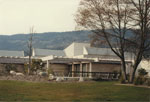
x=76 y=68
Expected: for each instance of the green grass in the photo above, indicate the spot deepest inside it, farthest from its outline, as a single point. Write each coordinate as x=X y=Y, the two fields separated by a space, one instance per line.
x=72 y=92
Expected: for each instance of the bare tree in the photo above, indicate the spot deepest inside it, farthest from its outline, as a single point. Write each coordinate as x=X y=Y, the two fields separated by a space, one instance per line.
x=111 y=22
x=108 y=20
x=140 y=23
x=30 y=47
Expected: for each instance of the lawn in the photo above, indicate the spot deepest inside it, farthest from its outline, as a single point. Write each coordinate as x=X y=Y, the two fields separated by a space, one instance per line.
x=72 y=92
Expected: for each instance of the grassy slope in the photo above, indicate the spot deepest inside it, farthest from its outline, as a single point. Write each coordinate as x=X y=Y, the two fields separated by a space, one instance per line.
x=75 y=92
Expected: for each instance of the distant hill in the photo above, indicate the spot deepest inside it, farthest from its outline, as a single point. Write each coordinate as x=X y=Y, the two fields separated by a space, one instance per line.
x=47 y=40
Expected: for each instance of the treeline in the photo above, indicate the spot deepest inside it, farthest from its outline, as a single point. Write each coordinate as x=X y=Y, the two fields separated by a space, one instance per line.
x=47 y=40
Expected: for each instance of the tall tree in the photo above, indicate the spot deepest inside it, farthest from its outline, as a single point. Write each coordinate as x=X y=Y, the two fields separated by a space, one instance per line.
x=111 y=22
x=140 y=24
x=108 y=20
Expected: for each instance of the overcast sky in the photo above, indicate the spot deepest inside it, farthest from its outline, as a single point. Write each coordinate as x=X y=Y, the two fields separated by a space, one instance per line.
x=17 y=16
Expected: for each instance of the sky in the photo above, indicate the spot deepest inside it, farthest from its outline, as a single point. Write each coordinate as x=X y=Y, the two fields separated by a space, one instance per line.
x=18 y=16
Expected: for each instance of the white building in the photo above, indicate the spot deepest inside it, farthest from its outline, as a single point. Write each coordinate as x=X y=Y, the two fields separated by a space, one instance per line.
x=77 y=52
x=81 y=57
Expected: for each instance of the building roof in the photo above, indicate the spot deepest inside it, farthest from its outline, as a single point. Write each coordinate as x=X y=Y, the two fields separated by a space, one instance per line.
x=69 y=60
x=104 y=52
x=13 y=60
x=46 y=52
x=99 y=51
x=75 y=49
x=11 y=53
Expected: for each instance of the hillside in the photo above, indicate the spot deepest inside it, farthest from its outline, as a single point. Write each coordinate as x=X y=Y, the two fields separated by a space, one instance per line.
x=47 y=40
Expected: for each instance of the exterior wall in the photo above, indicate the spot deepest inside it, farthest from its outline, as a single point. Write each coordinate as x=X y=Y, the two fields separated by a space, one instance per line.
x=59 y=69
x=97 y=67
x=2 y=69
x=146 y=65
x=79 y=48
x=70 y=50
x=85 y=51
x=33 y=52
x=16 y=67
x=20 y=68
x=79 y=56
x=75 y=49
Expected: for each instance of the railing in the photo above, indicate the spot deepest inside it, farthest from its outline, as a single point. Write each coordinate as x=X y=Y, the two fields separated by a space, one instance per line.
x=96 y=75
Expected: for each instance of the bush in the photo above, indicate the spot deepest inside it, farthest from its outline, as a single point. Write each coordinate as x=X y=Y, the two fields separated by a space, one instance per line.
x=35 y=65
x=140 y=80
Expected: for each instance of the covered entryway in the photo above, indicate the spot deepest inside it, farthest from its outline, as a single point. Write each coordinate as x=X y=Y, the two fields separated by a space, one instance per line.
x=70 y=67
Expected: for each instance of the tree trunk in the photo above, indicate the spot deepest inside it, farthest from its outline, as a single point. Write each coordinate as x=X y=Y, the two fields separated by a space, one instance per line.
x=29 y=67
x=28 y=70
x=132 y=76
x=134 y=70
x=124 y=70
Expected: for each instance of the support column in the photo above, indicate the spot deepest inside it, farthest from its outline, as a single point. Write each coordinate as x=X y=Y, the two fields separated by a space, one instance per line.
x=72 y=70
x=47 y=67
x=81 y=69
x=86 y=69
x=90 y=70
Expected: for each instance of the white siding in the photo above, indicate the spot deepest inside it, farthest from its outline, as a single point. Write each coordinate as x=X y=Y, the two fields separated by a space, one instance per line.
x=33 y=52
x=85 y=51
x=75 y=49
x=69 y=51
x=78 y=48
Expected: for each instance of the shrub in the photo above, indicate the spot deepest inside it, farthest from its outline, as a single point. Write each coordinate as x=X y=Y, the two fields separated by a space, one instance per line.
x=142 y=81
x=35 y=65
x=139 y=80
